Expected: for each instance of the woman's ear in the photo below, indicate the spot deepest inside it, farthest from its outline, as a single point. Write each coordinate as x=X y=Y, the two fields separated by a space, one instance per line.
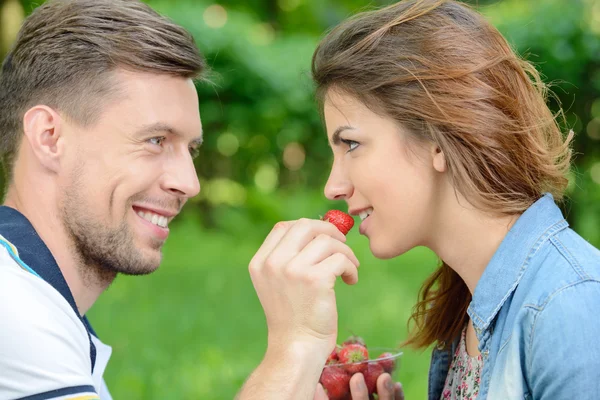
x=42 y=128
x=439 y=159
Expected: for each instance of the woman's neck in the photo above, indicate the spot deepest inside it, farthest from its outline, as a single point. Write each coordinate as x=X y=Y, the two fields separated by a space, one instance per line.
x=466 y=238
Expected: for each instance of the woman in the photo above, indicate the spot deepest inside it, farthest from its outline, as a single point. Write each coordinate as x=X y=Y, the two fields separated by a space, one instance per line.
x=442 y=138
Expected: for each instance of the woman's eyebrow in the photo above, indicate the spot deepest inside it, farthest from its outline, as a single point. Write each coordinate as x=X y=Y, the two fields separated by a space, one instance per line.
x=335 y=138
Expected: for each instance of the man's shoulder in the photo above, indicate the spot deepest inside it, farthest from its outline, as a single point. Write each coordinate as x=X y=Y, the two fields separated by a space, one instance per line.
x=42 y=339
x=28 y=303
x=24 y=295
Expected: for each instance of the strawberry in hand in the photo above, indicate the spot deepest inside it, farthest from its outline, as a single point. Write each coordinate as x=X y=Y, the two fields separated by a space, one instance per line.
x=340 y=219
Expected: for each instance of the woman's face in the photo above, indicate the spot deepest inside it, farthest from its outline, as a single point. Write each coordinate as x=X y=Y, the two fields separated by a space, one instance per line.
x=392 y=186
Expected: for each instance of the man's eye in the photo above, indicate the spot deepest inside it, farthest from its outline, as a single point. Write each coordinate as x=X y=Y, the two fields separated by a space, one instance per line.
x=157 y=140
x=352 y=145
x=194 y=151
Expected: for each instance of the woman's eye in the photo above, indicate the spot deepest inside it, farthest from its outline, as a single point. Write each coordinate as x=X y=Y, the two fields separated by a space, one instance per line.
x=157 y=140
x=352 y=145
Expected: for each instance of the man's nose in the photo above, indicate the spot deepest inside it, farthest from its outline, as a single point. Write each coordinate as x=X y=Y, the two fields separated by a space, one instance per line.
x=181 y=178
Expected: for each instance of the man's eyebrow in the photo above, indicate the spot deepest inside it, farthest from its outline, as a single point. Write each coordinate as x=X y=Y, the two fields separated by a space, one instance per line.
x=335 y=138
x=160 y=127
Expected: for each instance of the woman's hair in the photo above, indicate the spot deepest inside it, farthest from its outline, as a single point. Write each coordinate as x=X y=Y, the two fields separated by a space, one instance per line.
x=441 y=71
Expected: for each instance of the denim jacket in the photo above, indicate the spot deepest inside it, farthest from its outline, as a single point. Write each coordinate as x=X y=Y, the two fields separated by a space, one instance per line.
x=536 y=313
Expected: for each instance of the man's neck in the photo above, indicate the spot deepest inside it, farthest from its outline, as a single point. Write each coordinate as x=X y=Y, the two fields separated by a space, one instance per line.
x=85 y=282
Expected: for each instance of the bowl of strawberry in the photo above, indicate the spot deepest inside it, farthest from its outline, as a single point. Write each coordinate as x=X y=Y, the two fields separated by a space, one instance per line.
x=351 y=357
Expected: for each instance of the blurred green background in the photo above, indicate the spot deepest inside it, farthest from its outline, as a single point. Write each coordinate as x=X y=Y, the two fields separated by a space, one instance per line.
x=195 y=328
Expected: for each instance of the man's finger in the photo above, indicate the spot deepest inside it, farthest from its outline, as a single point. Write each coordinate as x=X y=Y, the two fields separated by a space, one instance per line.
x=337 y=265
x=272 y=239
x=321 y=248
x=358 y=387
x=398 y=391
x=299 y=235
x=320 y=393
x=385 y=387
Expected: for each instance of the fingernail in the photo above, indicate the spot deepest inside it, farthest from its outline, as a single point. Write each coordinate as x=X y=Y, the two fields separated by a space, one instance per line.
x=389 y=385
x=362 y=385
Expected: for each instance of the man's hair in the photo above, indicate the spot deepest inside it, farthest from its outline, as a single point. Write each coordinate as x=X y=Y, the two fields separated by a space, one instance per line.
x=67 y=51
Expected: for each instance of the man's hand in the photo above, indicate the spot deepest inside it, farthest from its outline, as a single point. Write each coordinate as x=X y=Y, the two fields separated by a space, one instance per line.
x=294 y=273
x=386 y=389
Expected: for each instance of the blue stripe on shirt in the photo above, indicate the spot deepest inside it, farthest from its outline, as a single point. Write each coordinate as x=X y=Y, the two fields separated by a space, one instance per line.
x=15 y=257
x=85 y=389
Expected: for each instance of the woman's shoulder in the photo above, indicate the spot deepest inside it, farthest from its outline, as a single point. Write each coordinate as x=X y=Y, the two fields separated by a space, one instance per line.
x=568 y=259
x=566 y=263
x=568 y=252
x=560 y=341
x=581 y=255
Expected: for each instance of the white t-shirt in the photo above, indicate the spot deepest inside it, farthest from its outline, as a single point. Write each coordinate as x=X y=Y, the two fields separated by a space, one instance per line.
x=44 y=345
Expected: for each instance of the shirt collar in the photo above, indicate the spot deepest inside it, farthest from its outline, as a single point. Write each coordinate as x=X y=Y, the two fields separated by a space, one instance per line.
x=17 y=229
x=504 y=271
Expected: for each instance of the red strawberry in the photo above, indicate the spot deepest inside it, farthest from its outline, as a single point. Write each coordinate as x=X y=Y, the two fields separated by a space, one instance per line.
x=371 y=374
x=336 y=382
x=333 y=357
x=388 y=364
x=340 y=219
x=352 y=354
x=354 y=339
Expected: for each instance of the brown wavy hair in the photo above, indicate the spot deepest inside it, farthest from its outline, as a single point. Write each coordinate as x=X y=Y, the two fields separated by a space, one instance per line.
x=439 y=69
x=67 y=51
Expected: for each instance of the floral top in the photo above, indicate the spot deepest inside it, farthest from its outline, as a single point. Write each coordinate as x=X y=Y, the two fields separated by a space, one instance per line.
x=464 y=376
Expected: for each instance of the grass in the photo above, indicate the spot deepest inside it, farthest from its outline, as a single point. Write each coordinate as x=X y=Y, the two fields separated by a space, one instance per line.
x=195 y=328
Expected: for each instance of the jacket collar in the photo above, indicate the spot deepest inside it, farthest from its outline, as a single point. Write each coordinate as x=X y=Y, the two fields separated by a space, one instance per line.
x=504 y=271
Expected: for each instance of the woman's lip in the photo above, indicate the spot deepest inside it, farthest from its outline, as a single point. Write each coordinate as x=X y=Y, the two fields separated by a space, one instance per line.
x=363 y=228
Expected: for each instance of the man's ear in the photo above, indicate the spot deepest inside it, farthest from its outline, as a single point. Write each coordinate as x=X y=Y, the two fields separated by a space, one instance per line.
x=439 y=159
x=43 y=129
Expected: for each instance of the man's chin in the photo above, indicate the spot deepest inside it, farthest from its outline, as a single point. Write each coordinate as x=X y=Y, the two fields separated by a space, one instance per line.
x=152 y=259
x=145 y=262
x=137 y=270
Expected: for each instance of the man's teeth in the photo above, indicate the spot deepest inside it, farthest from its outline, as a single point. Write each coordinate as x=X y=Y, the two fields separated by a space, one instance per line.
x=154 y=218
x=365 y=214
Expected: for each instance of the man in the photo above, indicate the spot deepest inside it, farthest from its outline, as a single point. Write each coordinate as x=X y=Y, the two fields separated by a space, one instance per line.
x=99 y=124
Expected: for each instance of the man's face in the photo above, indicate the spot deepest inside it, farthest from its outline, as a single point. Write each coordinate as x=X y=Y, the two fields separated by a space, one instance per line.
x=128 y=175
